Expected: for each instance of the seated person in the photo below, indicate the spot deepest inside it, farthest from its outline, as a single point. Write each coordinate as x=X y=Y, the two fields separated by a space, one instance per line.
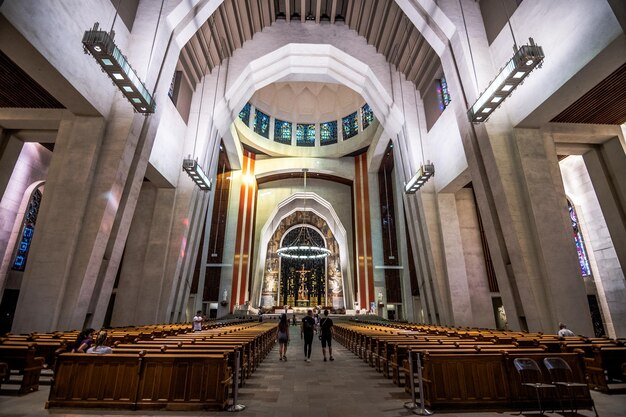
x=84 y=340
x=100 y=346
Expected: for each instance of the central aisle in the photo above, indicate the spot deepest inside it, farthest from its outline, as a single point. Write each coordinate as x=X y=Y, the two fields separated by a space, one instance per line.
x=345 y=387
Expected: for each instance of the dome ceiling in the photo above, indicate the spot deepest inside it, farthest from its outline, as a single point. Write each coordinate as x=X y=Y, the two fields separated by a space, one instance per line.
x=307 y=102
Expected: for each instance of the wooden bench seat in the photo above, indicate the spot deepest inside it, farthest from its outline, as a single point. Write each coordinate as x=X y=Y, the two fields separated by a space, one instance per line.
x=151 y=381
x=45 y=348
x=24 y=361
x=605 y=367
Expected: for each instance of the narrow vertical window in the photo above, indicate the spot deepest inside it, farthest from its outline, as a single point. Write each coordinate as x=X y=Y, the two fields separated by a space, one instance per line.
x=244 y=114
x=350 y=125
x=580 y=243
x=328 y=133
x=367 y=115
x=443 y=95
x=262 y=124
x=27 y=231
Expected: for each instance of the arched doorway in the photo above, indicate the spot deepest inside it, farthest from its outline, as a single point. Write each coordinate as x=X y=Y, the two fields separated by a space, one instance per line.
x=282 y=278
x=303 y=281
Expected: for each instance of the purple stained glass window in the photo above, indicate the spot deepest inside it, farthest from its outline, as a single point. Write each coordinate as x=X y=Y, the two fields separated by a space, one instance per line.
x=580 y=243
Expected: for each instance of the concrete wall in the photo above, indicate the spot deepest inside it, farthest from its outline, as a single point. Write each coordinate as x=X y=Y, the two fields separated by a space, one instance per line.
x=608 y=274
x=31 y=167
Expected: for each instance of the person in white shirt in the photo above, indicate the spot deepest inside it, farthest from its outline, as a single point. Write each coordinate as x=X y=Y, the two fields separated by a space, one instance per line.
x=197 y=321
x=100 y=346
x=564 y=331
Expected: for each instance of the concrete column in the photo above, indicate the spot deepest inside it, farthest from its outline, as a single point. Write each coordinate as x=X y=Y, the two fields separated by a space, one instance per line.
x=156 y=251
x=460 y=304
x=557 y=289
x=48 y=276
x=607 y=168
x=131 y=287
x=474 y=257
x=10 y=148
x=603 y=166
x=27 y=173
x=608 y=275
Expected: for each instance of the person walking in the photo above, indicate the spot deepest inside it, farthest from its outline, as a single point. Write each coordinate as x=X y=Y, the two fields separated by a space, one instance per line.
x=283 y=336
x=326 y=335
x=306 y=331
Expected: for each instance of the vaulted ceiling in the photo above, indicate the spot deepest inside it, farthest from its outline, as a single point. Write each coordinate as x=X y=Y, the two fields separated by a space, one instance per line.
x=381 y=22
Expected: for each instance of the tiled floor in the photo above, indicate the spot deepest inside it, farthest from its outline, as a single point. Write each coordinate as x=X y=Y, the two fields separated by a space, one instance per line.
x=346 y=387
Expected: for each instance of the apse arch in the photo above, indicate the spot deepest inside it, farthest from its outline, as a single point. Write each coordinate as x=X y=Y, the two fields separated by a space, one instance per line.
x=323 y=209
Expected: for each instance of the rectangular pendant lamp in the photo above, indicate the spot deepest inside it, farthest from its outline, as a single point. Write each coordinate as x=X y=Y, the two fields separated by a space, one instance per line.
x=191 y=167
x=419 y=179
x=101 y=46
x=526 y=59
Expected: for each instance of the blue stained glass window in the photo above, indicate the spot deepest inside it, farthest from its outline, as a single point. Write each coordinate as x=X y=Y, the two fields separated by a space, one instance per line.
x=262 y=124
x=367 y=115
x=305 y=135
x=244 y=114
x=443 y=96
x=28 y=229
x=580 y=243
x=350 y=125
x=328 y=133
x=282 y=132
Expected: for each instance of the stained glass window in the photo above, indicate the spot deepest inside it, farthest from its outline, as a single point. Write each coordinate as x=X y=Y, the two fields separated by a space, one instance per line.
x=443 y=96
x=580 y=244
x=305 y=135
x=26 y=234
x=328 y=133
x=350 y=125
x=367 y=115
x=262 y=124
x=244 y=114
x=282 y=132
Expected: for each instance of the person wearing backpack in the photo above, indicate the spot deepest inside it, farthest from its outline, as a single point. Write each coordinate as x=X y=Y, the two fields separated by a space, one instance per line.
x=306 y=331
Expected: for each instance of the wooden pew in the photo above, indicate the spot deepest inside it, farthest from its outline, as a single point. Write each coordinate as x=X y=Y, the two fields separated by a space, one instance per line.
x=45 y=348
x=185 y=382
x=23 y=360
x=606 y=367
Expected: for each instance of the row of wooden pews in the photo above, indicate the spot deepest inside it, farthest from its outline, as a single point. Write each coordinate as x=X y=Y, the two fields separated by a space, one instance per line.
x=185 y=371
x=23 y=357
x=473 y=368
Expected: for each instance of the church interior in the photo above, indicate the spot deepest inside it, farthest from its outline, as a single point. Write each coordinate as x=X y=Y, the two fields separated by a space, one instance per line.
x=454 y=164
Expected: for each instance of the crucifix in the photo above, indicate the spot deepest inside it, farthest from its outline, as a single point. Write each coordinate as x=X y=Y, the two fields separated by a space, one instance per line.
x=303 y=291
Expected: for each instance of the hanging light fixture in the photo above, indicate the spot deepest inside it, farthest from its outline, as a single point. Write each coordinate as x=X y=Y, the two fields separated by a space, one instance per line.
x=303 y=247
x=426 y=170
x=422 y=175
x=101 y=46
x=525 y=59
x=191 y=166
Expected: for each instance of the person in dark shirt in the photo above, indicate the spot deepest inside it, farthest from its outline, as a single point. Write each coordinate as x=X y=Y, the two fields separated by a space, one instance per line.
x=83 y=341
x=326 y=335
x=306 y=331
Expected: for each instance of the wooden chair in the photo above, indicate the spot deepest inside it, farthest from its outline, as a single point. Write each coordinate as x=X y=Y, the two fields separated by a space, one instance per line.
x=531 y=376
x=562 y=377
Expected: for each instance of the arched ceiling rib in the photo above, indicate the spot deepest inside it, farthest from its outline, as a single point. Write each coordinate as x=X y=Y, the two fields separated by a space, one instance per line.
x=381 y=22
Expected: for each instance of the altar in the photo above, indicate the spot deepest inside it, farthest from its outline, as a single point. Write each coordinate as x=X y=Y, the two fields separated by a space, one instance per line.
x=302 y=303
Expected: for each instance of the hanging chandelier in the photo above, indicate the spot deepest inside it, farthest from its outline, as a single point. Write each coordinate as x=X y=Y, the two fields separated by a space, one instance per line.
x=303 y=247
